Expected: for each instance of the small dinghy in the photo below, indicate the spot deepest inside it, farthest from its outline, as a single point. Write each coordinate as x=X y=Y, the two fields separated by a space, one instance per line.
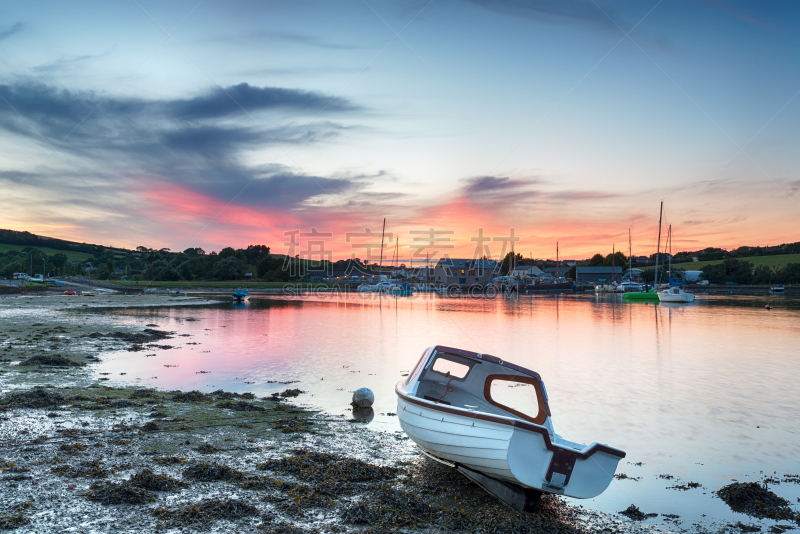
x=490 y=420
x=241 y=295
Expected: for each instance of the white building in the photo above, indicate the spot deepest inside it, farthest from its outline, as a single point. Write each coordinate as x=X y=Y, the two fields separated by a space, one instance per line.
x=531 y=271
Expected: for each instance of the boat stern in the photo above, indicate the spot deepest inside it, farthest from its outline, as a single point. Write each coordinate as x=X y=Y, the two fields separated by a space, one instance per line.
x=539 y=463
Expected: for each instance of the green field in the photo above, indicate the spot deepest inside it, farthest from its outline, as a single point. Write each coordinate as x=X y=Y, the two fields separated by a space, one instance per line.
x=220 y=285
x=71 y=256
x=770 y=261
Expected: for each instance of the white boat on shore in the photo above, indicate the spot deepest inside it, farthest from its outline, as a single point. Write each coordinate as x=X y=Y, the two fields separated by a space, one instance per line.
x=675 y=294
x=490 y=420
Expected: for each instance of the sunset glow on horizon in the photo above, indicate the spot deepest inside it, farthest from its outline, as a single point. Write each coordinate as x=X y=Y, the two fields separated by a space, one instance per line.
x=219 y=124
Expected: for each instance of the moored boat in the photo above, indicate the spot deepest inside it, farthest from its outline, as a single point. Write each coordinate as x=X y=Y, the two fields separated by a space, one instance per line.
x=401 y=290
x=675 y=294
x=490 y=419
x=645 y=294
x=88 y=293
x=562 y=285
x=778 y=288
x=241 y=295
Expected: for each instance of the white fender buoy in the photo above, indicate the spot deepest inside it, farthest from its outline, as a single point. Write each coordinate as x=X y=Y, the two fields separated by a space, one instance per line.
x=363 y=398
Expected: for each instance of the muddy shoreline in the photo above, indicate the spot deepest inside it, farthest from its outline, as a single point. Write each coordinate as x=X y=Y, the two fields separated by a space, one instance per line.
x=78 y=455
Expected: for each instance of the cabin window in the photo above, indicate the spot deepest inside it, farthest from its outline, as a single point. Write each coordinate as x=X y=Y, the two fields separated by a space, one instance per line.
x=413 y=373
x=518 y=395
x=444 y=365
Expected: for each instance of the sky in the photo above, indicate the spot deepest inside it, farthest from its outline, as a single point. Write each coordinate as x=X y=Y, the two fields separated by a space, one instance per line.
x=302 y=125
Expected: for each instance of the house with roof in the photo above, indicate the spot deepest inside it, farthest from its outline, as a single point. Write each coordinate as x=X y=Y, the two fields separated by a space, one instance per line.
x=598 y=274
x=527 y=271
x=464 y=272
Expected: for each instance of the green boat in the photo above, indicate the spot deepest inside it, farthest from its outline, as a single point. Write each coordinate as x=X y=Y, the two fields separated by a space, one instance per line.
x=650 y=294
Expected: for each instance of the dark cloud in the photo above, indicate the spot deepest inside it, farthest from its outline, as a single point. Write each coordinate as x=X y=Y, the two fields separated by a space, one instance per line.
x=503 y=191
x=546 y=10
x=484 y=184
x=11 y=30
x=234 y=99
x=194 y=143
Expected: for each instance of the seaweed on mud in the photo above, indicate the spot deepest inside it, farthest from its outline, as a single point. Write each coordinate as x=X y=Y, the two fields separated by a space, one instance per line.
x=686 y=487
x=301 y=496
x=190 y=396
x=148 y=335
x=226 y=395
x=205 y=512
x=321 y=466
x=207 y=448
x=38 y=397
x=120 y=493
x=11 y=467
x=633 y=512
x=745 y=528
x=291 y=393
x=92 y=469
x=123 y=404
x=254 y=483
x=755 y=500
x=143 y=393
x=240 y=406
x=150 y=427
x=283 y=528
x=75 y=448
x=290 y=424
x=212 y=472
x=14 y=516
x=357 y=514
x=147 y=479
x=390 y=507
x=55 y=360
x=169 y=460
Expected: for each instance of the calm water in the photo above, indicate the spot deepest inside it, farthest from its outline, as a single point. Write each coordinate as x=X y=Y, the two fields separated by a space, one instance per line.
x=705 y=392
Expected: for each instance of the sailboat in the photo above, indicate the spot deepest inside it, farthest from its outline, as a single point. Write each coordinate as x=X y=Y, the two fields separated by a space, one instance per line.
x=649 y=294
x=561 y=284
x=675 y=293
x=628 y=284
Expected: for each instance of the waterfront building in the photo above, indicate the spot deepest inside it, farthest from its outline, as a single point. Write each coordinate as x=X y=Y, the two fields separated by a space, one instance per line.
x=465 y=272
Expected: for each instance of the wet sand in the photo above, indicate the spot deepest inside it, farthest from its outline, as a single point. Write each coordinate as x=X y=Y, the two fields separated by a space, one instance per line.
x=78 y=455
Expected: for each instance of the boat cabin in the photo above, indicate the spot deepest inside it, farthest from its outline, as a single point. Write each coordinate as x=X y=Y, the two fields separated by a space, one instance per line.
x=479 y=383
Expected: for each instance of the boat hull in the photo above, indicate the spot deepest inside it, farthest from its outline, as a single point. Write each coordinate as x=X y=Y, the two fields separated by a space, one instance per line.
x=515 y=452
x=562 y=286
x=640 y=295
x=682 y=297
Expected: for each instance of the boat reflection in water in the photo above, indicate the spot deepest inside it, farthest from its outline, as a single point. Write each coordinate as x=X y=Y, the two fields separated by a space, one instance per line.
x=490 y=419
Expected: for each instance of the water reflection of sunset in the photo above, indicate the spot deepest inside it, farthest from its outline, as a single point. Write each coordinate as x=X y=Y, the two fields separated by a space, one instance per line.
x=663 y=382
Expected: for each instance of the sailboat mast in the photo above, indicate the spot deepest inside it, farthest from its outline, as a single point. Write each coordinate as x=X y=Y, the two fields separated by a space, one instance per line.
x=658 y=250
x=630 y=256
x=669 y=273
x=380 y=265
x=613 y=257
x=558 y=265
